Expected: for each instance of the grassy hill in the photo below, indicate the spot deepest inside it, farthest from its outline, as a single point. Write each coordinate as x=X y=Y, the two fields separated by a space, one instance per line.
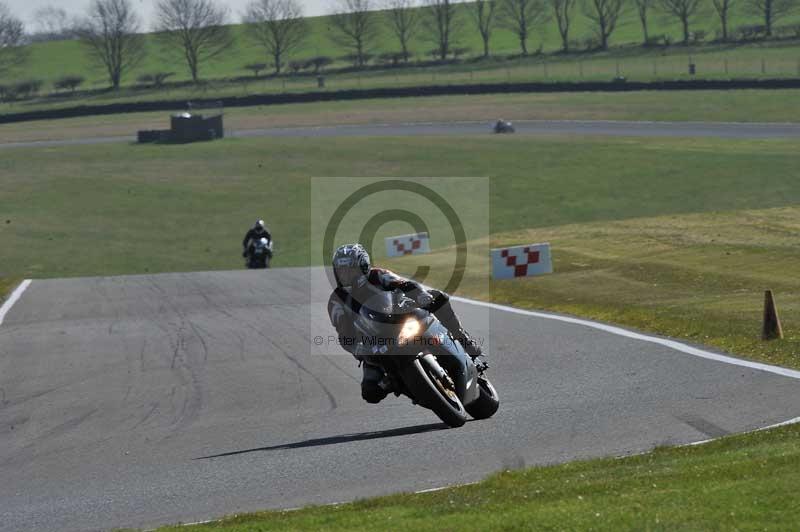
x=49 y=61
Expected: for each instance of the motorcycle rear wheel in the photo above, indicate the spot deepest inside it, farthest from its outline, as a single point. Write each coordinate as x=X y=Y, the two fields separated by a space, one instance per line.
x=427 y=391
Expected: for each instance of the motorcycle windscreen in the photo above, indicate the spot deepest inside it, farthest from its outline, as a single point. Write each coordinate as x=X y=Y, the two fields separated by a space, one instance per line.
x=383 y=313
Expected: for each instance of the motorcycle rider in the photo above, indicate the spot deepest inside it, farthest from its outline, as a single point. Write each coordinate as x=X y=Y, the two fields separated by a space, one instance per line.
x=254 y=234
x=353 y=273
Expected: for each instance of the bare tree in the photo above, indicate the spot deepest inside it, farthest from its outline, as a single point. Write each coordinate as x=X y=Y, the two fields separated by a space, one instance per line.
x=441 y=23
x=771 y=11
x=12 y=31
x=111 y=34
x=684 y=10
x=562 y=11
x=604 y=14
x=278 y=26
x=643 y=7
x=53 y=23
x=723 y=9
x=355 y=25
x=197 y=27
x=404 y=22
x=483 y=15
x=521 y=17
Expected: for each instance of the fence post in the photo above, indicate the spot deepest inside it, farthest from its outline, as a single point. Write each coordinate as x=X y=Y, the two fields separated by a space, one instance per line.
x=617 y=67
x=508 y=74
x=763 y=66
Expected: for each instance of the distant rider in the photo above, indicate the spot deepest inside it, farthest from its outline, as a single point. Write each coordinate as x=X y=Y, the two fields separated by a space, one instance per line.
x=254 y=234
x=353 y=273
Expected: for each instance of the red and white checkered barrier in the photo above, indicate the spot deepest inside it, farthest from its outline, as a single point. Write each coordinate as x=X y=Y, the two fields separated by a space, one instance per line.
x=521 y=261
x=414 y=244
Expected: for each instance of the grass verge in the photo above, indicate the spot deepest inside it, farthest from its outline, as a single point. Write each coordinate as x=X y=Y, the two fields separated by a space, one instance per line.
x=713 y=106
x=7 y=284
x=745 y=482
x=699 y=277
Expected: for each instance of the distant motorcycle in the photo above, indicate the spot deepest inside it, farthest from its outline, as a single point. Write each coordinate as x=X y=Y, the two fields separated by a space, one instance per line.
x=422 y=360
x=503 y=126
x=259 y=255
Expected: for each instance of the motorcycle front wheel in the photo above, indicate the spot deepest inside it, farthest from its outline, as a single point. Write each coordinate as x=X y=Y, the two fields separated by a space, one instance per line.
x=426 y=389
x=487 y=403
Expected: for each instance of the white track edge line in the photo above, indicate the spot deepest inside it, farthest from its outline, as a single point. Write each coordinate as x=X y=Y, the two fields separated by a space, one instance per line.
x=13 y=298
x=792 y=421
x=786 y=423
x=329 y=504
x=672 y=344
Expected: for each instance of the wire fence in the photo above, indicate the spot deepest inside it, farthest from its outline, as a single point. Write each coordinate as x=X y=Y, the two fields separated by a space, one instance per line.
x=605 y=69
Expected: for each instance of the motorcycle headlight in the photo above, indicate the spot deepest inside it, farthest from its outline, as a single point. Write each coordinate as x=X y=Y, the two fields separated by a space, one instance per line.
x=409 y=331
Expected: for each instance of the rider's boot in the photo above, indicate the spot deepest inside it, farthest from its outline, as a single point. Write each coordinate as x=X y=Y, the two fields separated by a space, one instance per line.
x=375 y=384
x=473 y=350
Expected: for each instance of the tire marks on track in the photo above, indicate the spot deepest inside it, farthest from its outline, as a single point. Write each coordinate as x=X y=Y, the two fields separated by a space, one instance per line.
x=277 y=322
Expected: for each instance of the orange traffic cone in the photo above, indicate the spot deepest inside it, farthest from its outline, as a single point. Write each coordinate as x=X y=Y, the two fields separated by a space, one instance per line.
x=772 y=324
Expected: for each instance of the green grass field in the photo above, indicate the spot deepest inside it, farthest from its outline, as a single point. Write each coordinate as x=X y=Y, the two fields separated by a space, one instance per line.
x=119 y=208
x=746 y=482
x=49 y=61
x=135 y=199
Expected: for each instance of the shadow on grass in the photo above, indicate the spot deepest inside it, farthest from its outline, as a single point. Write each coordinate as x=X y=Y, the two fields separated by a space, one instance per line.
x=343 y=438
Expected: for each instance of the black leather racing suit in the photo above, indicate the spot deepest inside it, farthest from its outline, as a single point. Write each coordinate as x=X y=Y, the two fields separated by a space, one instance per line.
x=254 y=235
x=343 y=307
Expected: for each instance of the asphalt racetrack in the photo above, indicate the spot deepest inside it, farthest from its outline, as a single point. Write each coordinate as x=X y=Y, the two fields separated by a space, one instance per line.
x=146 y=400
x=524 y=127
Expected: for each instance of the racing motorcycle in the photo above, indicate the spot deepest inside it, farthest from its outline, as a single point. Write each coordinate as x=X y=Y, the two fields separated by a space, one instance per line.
x=422 y=360
x=260 y=254
x=503 y=126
